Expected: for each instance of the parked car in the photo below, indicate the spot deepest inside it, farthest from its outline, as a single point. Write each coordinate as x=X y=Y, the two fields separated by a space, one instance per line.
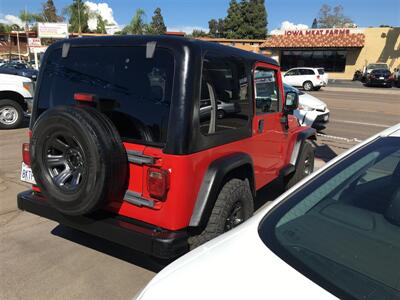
x=379 y=77
x=336 y=234
x=367 y=70
x=311 y=110
x=307 y=78
x=223 y=108
x=16 y=95
x=19 y=68
x=106 y=142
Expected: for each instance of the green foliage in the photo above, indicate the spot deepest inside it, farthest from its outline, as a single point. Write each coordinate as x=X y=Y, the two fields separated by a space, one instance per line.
x=101 y=25
x=157 y=25
x=246 y=19
x=30 y=18
x=5 y=28
x=78 y=14
x=49 y=12
x=234 y=20
x=137 y=24
x=330 y=18
x=198 y=33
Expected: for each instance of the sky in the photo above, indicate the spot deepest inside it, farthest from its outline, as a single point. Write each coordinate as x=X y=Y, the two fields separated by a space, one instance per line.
x=184 y=15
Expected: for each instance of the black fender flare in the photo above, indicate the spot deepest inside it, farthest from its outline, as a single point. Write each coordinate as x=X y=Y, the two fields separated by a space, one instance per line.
x=212 y=181
x=309 y=133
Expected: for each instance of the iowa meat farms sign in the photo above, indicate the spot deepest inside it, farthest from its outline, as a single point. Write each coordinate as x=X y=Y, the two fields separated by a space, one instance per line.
x=333 y=31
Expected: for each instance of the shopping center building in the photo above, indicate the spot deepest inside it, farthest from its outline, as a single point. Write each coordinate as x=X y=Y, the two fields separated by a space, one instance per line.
x=341 y=51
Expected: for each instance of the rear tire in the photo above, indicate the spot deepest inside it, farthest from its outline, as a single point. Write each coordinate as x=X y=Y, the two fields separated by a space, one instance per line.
x=234 y=205
x=308 y=86
x=305 y=166
x=78 y=159
x=11 y=114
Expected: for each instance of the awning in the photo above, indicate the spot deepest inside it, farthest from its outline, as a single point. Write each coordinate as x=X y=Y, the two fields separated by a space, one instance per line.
x=355 y=40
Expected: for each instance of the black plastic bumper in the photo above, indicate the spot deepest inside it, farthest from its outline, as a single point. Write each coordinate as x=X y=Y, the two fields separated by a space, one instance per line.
x=132 y=234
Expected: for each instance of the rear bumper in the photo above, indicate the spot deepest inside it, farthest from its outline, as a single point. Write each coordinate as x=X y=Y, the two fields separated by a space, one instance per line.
x=133 y=234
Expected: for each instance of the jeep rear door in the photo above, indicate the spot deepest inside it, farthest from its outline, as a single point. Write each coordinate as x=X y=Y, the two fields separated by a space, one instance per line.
x=269 y=136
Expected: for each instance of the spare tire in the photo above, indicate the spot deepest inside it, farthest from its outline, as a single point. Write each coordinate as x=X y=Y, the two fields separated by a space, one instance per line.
x=78 y=159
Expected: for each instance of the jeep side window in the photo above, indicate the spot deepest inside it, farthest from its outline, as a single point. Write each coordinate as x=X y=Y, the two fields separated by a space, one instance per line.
x=224 y=94
x=266 y=91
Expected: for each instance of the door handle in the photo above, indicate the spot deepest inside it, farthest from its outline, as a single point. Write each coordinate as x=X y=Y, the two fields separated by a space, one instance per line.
x=260 y=126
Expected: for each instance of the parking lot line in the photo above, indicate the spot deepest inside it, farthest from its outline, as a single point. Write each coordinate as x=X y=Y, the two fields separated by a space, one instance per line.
x=361 y=123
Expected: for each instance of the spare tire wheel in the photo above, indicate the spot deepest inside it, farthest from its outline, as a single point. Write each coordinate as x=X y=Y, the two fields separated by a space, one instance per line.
x=78 y=159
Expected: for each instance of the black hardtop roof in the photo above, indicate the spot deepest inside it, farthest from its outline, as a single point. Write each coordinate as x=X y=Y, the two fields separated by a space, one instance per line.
x=172 y=41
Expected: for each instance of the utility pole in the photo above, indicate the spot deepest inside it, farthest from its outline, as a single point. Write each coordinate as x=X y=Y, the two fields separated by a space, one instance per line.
x=27 y=36
x=19 y=49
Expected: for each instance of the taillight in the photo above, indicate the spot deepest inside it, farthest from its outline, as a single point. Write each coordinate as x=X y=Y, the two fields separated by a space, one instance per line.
x=83 y=97
x=318 y=77
x=26 y=157
x=157 y=183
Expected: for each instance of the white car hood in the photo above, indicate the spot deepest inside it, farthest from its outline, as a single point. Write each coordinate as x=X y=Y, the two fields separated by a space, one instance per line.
x=311 y=101
x=236 y=265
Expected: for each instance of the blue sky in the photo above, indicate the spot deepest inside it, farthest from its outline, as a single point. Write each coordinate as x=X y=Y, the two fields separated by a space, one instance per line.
x=181 y=14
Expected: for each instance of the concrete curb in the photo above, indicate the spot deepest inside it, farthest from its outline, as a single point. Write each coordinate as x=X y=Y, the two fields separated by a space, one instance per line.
x=365 y=90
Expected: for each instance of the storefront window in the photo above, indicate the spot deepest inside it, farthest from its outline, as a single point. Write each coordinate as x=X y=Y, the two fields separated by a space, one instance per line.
x=330 y=60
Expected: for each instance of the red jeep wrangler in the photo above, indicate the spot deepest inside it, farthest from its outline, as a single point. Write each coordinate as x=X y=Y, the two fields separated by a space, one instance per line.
x=158 y=143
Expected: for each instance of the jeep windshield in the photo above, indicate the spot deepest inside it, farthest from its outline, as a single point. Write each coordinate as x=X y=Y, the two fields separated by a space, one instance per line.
x=132 y=84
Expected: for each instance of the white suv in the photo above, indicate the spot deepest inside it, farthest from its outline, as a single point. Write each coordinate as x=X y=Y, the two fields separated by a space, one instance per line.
x=16 y=96
x=308 y=78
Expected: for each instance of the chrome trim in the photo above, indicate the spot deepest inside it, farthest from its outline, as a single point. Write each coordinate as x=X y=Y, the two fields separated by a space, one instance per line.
x=139 y=158
x=137 y=199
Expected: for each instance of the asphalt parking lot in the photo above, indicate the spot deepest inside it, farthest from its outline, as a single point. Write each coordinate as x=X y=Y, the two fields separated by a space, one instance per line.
x=40 y=259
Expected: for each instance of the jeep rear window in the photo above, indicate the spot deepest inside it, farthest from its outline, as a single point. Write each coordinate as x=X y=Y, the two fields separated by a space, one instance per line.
x=139 y=88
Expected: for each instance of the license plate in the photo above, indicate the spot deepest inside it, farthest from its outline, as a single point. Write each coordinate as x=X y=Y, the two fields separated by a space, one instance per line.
x=326 y=118
x=381 y=78
x=26 y=174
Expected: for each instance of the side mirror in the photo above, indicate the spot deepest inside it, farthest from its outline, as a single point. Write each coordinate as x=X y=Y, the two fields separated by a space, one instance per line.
x=291 y=102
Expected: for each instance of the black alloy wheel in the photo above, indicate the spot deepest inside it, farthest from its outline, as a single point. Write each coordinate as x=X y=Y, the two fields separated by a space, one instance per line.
x=65 y=161
x=236 y=216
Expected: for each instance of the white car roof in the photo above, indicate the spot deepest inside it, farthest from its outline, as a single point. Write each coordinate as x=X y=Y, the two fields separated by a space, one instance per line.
x=309 y=68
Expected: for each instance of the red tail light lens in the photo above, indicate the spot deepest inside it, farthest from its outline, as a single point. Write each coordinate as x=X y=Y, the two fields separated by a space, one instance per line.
x=157 y=183
x=26 y=157
x=318 y=77
x=83 y=97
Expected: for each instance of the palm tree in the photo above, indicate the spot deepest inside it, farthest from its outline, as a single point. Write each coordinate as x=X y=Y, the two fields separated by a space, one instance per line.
x=137 y=24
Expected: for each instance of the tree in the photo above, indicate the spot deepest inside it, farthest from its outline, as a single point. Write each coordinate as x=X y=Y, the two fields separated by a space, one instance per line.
x=49 y=12
x=157 y=25
x=198 y=33
x=101 y=24
x=78 y=14
x=216 y=28
x=314 y=23
x=330 y=18
x=233 y=20
x=246 y=19
x=213 y=28
x=30 y=19
x=254 y=20
x=137 y=25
